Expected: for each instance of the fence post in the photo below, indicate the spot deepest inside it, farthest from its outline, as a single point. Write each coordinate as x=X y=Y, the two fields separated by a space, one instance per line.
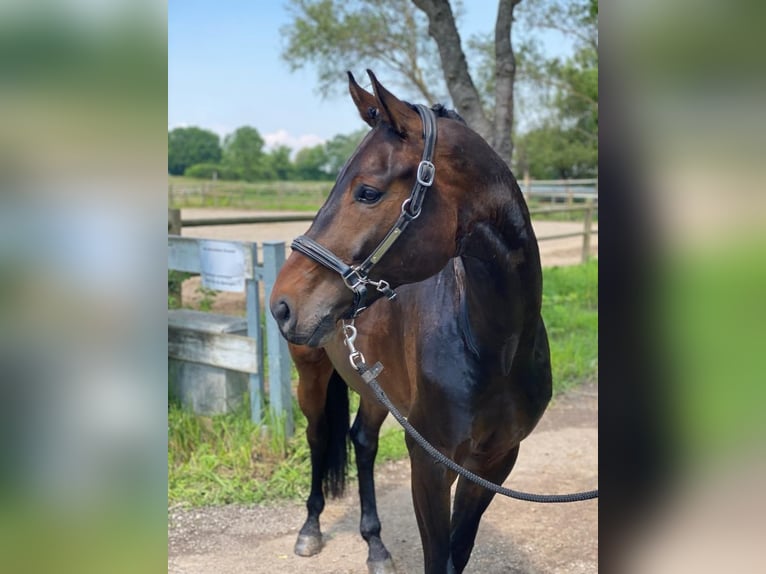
x=174 y=221
x=174 y=228
x=254 y=332
x=280 y=392
x=587 y=231
x=526 y=185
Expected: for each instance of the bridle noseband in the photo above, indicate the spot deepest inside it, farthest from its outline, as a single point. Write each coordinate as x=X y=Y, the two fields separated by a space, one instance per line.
x=357 y=277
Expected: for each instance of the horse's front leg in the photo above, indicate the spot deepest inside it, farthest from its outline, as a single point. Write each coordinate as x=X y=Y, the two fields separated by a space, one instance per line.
x=364 y=435
x=431 y=484
x=316 y=375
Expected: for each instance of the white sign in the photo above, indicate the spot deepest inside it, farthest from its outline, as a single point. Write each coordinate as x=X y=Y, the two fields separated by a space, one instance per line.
x=222 y=266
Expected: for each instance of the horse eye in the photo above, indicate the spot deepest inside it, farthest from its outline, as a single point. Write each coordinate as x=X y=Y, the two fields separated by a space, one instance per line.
x=367 y=194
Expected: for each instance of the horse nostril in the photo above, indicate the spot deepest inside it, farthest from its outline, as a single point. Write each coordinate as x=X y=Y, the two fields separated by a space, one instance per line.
x=281 y=312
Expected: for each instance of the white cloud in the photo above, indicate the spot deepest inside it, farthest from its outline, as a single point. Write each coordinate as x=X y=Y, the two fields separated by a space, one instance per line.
x=283 y=137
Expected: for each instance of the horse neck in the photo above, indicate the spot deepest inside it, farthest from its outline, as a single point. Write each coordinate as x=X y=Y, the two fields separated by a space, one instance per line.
x=501 y=262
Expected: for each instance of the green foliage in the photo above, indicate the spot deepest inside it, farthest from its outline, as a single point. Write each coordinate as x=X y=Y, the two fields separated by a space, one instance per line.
x=552 y=152
x=243 y=153
x=279 y=162
x=333 y=36
x=189 y=146
x=227 y=459
x=175 y=280
x=311 y=164
x=340 y=148
x=212 y=171
x=207 y=299
x=564 y=143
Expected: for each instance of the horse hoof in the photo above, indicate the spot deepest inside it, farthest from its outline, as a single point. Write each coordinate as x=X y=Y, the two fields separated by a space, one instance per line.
x=307 y=545
x=381 y=567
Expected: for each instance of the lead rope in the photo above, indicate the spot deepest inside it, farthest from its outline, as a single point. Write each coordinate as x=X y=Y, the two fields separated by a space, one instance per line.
x=370 y=377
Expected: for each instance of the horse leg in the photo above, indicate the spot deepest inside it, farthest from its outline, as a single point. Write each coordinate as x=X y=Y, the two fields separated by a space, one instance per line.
x=471 y=500
x=431 y=484
x=364 y=435
x=316 y=376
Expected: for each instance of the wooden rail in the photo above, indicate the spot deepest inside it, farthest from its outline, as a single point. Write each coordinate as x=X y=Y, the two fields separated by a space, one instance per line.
x=589 y=207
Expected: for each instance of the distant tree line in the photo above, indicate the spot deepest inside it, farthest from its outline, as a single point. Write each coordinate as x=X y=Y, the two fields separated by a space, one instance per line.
x=558 y=149
x=197 y=152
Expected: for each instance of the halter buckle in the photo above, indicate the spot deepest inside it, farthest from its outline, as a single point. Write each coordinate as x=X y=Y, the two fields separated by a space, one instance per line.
x=355 y=274
x=426 y=173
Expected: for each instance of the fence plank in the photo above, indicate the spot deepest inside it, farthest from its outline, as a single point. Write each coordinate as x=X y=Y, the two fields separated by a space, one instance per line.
x=184 y=255
x=247 y=220
x=223 y=350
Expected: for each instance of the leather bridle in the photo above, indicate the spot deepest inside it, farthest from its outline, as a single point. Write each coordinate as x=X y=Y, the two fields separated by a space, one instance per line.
x=357 y=278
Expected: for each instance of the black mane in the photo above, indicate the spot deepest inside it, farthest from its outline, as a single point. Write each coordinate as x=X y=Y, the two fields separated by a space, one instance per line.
x=444 y=112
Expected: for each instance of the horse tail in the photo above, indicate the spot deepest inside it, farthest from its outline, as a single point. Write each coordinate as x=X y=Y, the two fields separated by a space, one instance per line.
x=336 y=411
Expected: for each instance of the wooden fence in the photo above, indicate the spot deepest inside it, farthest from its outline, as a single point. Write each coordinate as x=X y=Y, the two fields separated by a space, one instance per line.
x=589 y=207
x=283 y=194
x=190 y=340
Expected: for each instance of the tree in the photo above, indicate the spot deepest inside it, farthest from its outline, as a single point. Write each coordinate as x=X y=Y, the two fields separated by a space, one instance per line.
x=555 y=152
x=243 y=151
x=311 y=164
x=567 y=136
x=279 y=161
x=336 y=35
x=573 y=82
x=340 y=148
x=190 y=146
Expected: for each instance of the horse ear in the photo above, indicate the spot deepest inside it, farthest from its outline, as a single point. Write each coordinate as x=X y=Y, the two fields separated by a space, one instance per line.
x=401 y=116
x=364 y=100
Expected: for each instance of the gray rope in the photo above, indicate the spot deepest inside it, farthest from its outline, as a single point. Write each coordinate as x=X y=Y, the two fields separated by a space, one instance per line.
x=370 y=377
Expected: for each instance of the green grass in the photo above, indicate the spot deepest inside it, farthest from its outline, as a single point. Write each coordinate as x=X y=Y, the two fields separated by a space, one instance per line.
x=226 y=459
x=570 y=312
x=265 y=195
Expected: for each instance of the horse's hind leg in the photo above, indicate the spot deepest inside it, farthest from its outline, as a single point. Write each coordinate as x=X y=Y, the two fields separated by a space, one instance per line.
x=318 y=386
x=364 y=435
x=471 y=500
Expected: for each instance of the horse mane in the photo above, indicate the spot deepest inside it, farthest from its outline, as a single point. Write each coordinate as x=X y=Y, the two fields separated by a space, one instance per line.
x=443 y=112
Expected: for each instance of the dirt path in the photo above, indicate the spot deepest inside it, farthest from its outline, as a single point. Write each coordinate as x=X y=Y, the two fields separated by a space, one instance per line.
x=514 y=537
x=556 y=252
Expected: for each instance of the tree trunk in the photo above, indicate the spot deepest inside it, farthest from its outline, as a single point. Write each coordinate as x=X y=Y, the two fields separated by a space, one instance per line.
x=441 y=27
x=465 y=97
x=505 y=75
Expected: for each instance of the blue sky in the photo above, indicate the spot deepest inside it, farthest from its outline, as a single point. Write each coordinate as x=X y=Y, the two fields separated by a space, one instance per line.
x=225 y=71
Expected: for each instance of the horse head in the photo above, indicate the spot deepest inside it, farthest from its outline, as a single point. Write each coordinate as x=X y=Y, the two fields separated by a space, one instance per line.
x=321 y=280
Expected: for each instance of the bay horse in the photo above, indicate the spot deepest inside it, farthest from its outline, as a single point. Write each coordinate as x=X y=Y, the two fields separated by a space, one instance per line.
x=463 y=344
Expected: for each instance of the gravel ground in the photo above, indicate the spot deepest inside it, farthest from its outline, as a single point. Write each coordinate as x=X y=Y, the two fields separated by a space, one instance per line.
x=515 y=537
